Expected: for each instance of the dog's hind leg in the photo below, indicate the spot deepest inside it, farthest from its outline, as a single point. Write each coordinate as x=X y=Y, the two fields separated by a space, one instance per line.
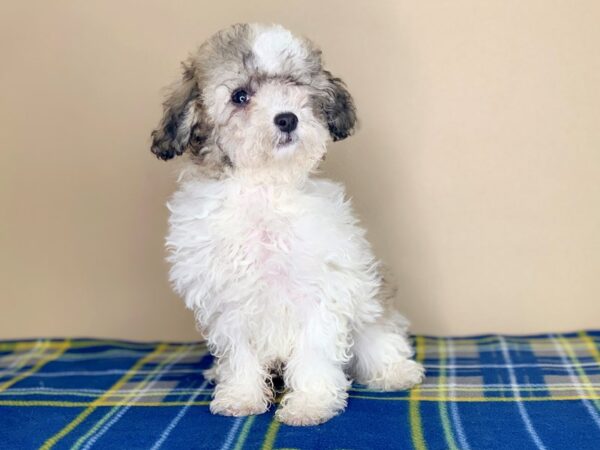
x=381 y=355
x=210 y=374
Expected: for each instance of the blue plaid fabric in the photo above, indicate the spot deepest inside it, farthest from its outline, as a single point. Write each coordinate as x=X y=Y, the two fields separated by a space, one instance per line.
x=482 y=392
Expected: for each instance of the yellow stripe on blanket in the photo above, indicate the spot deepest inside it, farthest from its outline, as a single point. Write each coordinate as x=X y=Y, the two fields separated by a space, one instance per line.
x=100 y=401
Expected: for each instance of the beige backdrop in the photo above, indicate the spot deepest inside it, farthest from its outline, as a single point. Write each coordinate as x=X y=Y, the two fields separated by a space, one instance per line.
x=476 y=169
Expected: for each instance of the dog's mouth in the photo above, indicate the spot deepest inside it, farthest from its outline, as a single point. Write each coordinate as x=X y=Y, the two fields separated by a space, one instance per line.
x=286 y=139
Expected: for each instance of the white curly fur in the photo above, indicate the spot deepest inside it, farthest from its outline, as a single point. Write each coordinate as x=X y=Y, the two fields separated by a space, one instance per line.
x=275 y=265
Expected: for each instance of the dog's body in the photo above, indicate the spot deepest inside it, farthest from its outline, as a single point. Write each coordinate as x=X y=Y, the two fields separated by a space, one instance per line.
x=272 y=260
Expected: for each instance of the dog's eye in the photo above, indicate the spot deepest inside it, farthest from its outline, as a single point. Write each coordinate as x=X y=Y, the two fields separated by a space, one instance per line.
x=240 y=97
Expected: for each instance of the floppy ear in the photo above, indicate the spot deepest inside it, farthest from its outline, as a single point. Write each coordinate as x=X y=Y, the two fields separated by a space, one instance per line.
x=338 y=108
x=180 y=117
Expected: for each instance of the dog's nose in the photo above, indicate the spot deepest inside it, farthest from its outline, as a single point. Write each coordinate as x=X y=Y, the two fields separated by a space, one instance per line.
x=286 y=121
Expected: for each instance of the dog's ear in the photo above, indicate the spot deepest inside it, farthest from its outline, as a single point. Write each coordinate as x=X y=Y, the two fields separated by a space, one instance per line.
x=180 y=118
x=338 y=108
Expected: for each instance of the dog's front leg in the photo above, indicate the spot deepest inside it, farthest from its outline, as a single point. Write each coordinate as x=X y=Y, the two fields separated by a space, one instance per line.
x=314 y=376
x=241 y=384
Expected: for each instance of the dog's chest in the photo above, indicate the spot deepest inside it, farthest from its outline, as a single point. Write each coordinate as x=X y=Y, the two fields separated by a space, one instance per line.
x=259 y=231
x=259 y=247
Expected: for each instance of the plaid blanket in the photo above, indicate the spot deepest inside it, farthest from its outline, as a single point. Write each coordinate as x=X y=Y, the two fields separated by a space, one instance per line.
x=482 y=392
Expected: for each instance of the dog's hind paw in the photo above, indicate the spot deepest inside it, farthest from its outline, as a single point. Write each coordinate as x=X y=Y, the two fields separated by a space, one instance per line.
x=210 y=375
x=398 y=376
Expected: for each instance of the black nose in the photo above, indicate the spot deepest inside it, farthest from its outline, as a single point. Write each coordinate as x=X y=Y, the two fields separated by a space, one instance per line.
x=286 y=121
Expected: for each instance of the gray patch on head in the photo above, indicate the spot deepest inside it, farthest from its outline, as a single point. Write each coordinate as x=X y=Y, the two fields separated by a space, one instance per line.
x=228 y=50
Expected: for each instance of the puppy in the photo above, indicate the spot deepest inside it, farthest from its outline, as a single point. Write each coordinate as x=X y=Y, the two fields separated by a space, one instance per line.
x=271 y=259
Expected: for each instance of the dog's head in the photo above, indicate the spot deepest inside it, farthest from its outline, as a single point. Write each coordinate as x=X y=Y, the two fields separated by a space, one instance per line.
x=254 y=97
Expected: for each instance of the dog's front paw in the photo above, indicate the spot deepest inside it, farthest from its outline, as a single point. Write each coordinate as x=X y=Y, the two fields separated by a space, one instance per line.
x=398 y=376
x=234 y=402
x=303 y=409
x=236 y=408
